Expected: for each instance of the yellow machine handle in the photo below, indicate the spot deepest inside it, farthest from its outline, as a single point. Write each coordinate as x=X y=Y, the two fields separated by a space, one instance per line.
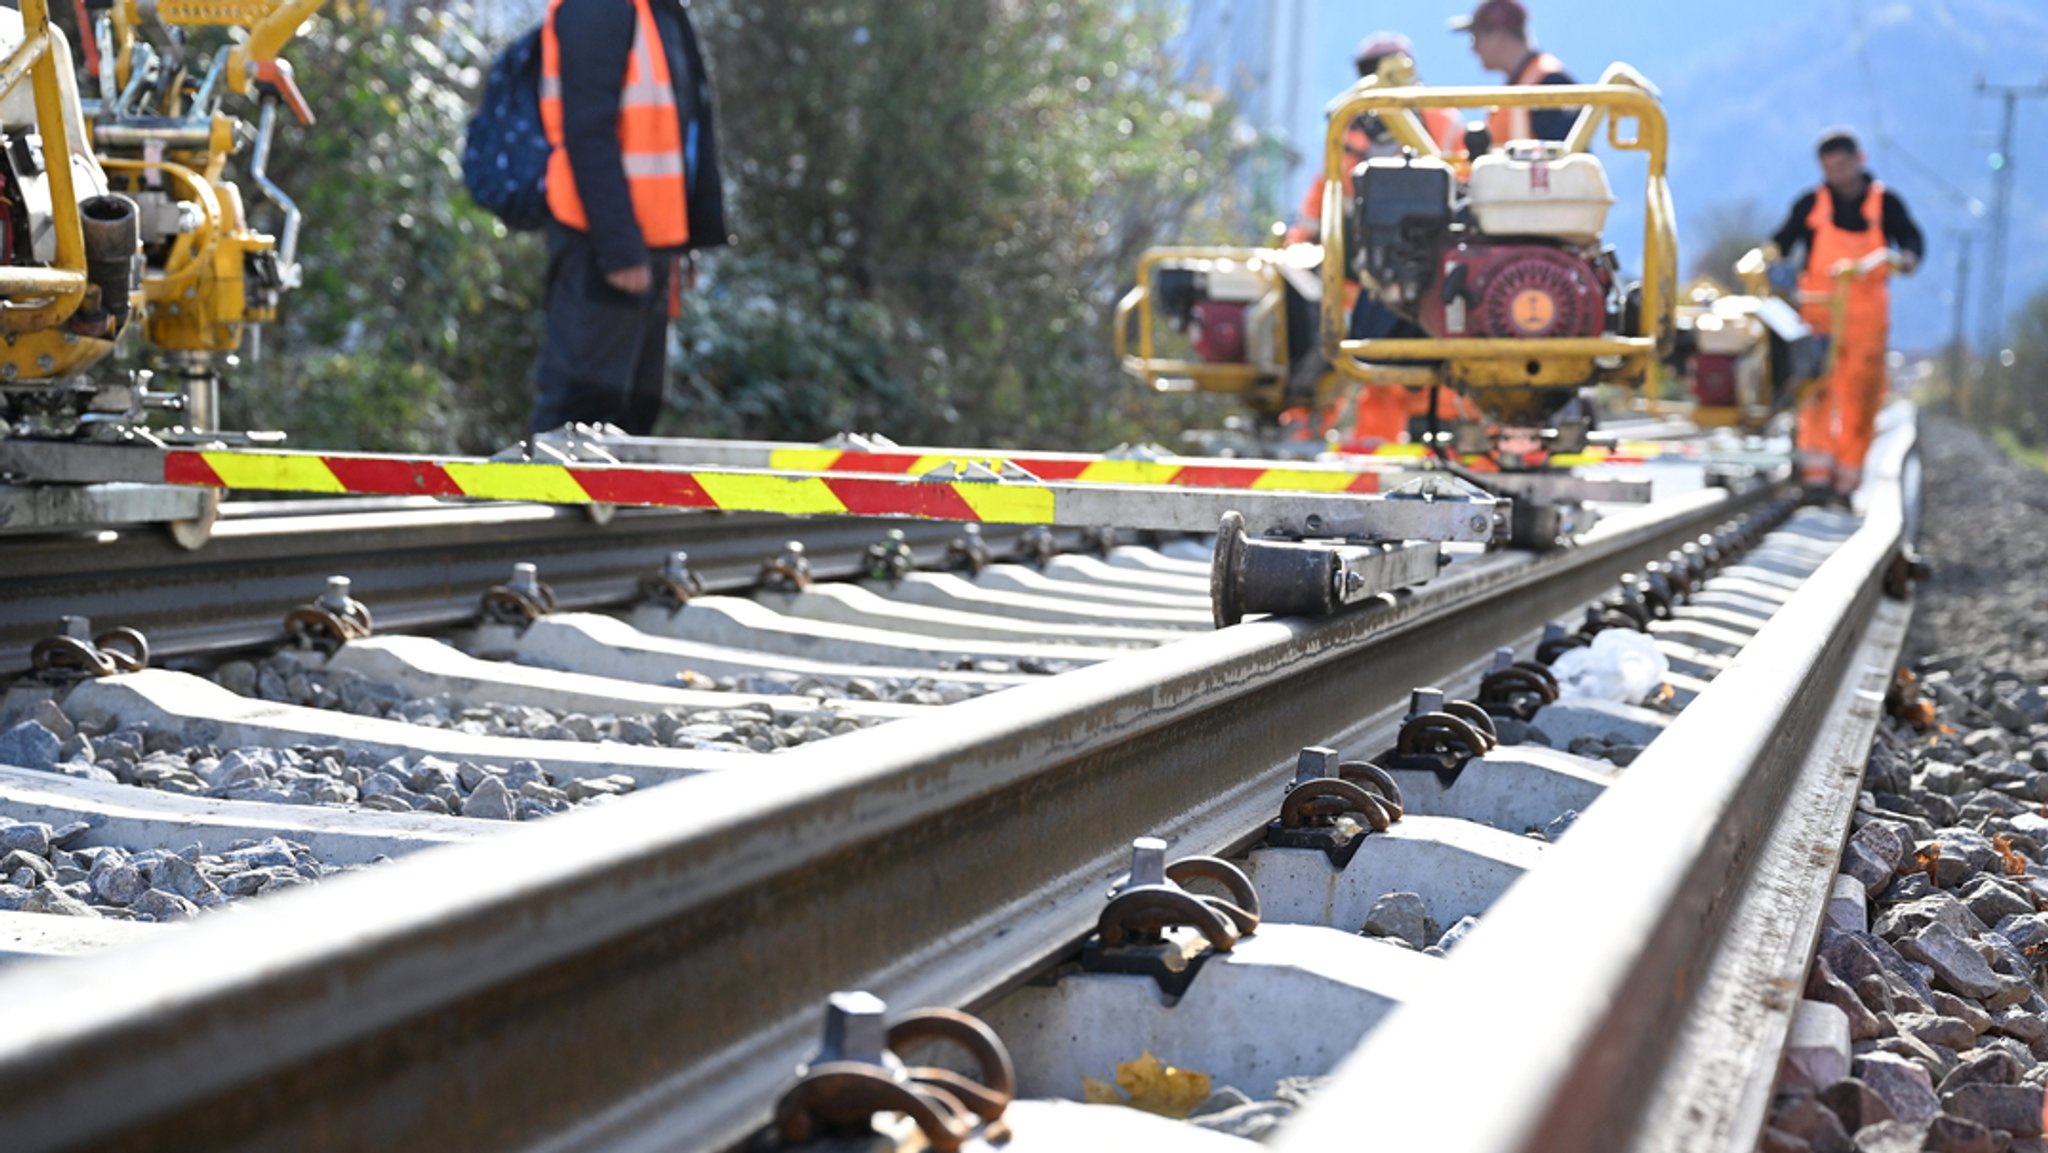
x=253 y=63
x=46 y=296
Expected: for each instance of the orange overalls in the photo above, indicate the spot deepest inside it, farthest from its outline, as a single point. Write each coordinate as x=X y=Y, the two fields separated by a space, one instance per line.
x=1839 y=418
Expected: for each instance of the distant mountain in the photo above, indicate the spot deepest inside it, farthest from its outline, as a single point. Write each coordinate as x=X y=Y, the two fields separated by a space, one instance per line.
x=1744 y=122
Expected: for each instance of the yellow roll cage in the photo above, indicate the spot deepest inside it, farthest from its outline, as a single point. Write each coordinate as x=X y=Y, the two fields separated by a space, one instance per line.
x=1622 y=97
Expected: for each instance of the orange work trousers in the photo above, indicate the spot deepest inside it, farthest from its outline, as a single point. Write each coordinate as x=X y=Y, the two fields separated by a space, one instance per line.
x=1839 y=419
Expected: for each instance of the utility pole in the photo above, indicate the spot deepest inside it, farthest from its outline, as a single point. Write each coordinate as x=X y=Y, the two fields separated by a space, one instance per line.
x=2001 y=211
x=1959 y=340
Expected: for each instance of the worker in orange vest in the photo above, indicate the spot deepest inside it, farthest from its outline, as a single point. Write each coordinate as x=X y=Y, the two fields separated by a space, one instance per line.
x=1848 y=223
x=633 y=188
x=1500 y=38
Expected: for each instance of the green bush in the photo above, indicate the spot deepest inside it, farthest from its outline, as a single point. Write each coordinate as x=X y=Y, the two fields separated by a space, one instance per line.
x=418 y=321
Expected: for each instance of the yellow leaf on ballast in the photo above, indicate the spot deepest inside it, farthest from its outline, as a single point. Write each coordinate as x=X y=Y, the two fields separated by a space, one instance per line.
x=1094 y=1092
x=1160 y=1088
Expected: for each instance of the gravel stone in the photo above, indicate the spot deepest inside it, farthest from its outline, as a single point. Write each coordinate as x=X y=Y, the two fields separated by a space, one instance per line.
x=1401 y=915
x=1905 y=1086
x=1947 y=1032
x=48 y=714
x=1813 y=1125
x=1822 y=985
x=1955 y=963
x=178 y=876
x=1992 y=1067
x=1856 y=1104
x=39 y=868
x=53 y=899
x=31 y=837
x=1969 y=1012
x=1992 y=902
x=490 y=801
x=30 y=745
x=1955 y=1135
x=2013 y=1108
x=1890 y=1137
x=119 y=885
x=161 y=906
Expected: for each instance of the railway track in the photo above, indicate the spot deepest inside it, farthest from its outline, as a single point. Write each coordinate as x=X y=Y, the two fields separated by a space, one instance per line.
x=648 y=970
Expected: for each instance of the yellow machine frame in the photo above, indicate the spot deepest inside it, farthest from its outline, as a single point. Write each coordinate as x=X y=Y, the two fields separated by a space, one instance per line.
x=1499 y=363
x=1259 y=384
x=39 y=300
x=198 y=302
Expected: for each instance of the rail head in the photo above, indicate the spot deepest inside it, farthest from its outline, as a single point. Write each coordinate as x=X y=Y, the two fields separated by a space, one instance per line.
x=1575 y=991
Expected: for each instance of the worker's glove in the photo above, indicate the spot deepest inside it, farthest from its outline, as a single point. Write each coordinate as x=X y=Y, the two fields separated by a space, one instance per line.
x=1784 y=277
x=1908 y=264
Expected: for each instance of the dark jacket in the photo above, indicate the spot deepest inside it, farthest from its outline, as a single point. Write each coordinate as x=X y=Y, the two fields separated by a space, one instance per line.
x=596 y=36
x=1899 y=229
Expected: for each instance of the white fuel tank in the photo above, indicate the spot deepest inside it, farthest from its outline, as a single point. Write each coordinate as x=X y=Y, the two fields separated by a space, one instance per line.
x=1535 y=188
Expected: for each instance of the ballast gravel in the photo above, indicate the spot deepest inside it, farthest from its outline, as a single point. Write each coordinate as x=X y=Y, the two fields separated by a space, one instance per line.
x=745 y=727
x=1941 y=979
x=43 y=869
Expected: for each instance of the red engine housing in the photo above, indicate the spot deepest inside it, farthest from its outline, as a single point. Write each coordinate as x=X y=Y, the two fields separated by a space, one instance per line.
x=1219 y=331
x=1519 y=291
x=1714 y=379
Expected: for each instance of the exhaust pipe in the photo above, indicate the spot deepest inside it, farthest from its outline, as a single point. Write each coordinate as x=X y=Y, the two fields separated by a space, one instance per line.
x=113 y=245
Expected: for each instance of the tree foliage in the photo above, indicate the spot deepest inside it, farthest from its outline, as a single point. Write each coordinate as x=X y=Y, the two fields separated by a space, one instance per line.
x=2008 y=394
x=418 y=320
x=1727 y=230
x=937 y=204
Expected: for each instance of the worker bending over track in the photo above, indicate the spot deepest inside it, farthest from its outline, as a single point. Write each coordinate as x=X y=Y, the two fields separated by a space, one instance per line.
x=1846 y=227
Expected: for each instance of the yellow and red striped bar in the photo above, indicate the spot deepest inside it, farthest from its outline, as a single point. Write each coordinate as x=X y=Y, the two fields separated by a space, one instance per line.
x=1252 y=476
x=656 y=487
x=1382 y=471
x=1456 y=513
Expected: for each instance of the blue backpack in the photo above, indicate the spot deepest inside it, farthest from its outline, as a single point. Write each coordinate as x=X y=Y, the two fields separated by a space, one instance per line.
x=505 y=157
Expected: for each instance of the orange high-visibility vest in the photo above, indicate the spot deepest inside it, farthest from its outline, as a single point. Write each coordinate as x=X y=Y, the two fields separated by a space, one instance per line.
x=1513 y=123
x=650 y=136
x=1869 y=298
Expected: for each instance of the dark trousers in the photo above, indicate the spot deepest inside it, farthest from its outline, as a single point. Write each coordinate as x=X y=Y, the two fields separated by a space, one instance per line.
x=605 y=356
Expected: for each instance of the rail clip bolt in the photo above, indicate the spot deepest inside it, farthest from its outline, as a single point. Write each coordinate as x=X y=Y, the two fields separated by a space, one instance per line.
x=336 y=598
x=855 y=1029
x=1148 y=862
x=1316 y=763
x=1425 y=701
x=77 y=628
x=525 y=579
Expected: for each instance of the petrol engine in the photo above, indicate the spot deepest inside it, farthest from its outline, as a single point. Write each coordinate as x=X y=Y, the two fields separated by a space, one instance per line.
x=1512 y=252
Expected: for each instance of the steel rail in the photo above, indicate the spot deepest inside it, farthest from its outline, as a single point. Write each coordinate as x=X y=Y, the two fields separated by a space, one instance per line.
x=644 y=975
x=1637 y=991
x=418 y=564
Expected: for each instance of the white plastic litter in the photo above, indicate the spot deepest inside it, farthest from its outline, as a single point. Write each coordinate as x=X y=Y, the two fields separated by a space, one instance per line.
x=1620 y=665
